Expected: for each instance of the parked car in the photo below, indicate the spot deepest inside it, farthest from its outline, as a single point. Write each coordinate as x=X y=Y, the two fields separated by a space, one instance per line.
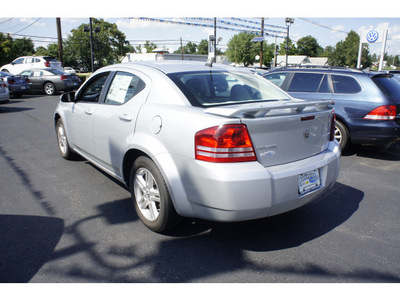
x=17 y=85
x=367 y=104
x=32 y=62
x=192 y=140
x=69 y=70
x=4 y=93
x=51 y=81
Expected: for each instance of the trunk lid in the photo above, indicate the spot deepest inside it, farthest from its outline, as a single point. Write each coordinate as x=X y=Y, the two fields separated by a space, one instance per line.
x=284 y=131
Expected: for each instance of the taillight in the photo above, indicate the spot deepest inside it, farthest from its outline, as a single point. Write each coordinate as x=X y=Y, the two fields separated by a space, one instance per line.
x=28 y=80
x=3 y=85
x=333 y=123
x=11 y=81
x=63 y=77
x=384 y=112
x=225 y=143
x=47 y=64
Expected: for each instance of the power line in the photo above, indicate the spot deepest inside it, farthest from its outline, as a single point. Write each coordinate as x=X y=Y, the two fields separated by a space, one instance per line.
x=28 y=26
x=323 y=26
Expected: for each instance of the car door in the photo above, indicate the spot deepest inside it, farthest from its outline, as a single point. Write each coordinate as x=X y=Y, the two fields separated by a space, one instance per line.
x=80 y=114
x=310 y=86
x=115 y=119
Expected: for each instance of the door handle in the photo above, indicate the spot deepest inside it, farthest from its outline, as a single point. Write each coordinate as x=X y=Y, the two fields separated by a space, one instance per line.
x=125 y=117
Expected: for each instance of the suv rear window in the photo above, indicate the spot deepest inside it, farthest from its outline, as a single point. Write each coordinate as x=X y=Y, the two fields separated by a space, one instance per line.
x=389 y=85
x=345 y=84
x=49 y=58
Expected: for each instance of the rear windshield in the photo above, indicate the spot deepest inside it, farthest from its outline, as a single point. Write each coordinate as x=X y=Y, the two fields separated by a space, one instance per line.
x=388 y=84
x=49 y=58
x=210 y=88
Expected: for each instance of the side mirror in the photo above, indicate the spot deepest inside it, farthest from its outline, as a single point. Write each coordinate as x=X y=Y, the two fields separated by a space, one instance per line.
x=68 y=97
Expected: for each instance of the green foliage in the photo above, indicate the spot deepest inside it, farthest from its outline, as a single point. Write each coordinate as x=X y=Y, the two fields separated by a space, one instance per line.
x=309 y=46
x=109 y=45
x=241 y=49
x=292 y=48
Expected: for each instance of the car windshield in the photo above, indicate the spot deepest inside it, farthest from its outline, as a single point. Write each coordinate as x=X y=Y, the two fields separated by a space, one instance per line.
x=210 y=88
x=388 y=84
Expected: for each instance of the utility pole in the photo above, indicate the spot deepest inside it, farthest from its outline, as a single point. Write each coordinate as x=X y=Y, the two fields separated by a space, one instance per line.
x=262 y=42
x=91 y=45
x=215 y=39
x=59 y=38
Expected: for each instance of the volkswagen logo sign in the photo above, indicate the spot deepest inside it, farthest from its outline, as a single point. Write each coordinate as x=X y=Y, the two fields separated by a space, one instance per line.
x=372 y=36
x=306 y=134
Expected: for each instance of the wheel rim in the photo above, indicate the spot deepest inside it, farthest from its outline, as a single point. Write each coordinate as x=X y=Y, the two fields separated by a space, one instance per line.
x=147 y=194
x=62 y=139
x=49 y=89
x=338 y=135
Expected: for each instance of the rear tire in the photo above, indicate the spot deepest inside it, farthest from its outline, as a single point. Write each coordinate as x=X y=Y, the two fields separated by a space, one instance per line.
x=341 y=135
x=150 y=195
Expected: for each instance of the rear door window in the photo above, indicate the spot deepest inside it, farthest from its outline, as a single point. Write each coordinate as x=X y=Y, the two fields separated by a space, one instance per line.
x=345 y=84
x=308 y=82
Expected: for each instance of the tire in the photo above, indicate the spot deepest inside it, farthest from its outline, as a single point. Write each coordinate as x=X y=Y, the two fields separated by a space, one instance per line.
x=151 y=197
x=341 y=134
x=62 y=141
x=49 y=88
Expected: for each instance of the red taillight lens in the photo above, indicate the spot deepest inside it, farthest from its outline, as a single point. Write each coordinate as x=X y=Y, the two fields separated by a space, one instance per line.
x=47 y=64
x=63 y=77
x=28 y=80
x=11 y=81
x=384 y=112
x=332 y=133
x=225 y=143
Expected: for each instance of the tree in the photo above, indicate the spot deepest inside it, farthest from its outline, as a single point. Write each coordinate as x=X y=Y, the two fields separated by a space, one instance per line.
x=189 y=48
x=109 y=45
x=309 y=46
x=241 y=49
x=6 y=55
x=292 y=48
x=149 y=46
x=346 y=52
x=202 y=48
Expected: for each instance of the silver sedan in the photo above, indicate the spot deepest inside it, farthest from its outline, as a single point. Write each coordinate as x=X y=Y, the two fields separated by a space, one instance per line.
x=194 y=140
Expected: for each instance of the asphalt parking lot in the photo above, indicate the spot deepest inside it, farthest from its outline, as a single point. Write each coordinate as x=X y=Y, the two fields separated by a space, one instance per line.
x=66 y=221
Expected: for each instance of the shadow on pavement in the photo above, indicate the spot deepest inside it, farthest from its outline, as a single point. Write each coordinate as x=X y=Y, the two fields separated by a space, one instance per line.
x=26 y=243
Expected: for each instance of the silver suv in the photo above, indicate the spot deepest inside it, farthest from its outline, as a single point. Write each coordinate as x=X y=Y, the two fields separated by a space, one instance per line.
x=31 y=62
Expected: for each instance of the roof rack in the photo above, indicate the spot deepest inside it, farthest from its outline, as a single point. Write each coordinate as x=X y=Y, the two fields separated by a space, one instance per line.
x=319 y=67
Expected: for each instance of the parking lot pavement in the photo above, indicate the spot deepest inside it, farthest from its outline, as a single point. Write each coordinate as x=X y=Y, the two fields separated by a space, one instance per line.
x=66 y=221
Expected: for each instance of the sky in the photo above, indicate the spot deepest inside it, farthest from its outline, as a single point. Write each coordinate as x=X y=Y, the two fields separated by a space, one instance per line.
x=310 y=18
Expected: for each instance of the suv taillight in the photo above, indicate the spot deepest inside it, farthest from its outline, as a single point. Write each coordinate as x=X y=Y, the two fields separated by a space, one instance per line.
x=384 y=112
x=332 y=133
x=225 y=143
x=47 y=64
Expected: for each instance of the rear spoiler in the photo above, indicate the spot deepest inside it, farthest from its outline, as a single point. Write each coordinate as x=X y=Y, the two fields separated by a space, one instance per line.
x=257 y=110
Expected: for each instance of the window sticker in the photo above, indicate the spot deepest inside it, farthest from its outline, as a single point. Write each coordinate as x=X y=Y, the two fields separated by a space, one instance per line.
x=119 y=88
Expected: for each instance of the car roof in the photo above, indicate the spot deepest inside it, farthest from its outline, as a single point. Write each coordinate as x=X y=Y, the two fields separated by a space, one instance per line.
x=177 y=66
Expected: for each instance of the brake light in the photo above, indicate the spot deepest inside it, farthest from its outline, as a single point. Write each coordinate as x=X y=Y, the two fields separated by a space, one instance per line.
x=225 y=143
x=11 y=81
x=333 y=123
x=28 y=80
x=384 y=112
x=63 y=77
x=47 y=64
x=3 y=85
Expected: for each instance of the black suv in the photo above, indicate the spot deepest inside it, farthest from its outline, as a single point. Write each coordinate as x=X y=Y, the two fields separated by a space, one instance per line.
x=367 y=104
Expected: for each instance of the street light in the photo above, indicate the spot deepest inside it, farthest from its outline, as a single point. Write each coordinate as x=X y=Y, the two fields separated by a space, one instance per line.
x=288 y=21
x=90 y=29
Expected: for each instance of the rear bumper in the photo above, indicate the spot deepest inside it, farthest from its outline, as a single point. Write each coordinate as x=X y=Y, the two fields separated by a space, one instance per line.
x=371 y=132
x=20 y=89
x=244 y=191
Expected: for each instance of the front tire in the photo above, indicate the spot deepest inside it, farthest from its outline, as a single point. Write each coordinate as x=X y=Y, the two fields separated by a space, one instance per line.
x=49 y=88
x=62 y=141
x=151 y=197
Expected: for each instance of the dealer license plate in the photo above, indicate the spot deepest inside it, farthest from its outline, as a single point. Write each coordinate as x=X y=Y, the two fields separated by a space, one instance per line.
x=309 y=181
